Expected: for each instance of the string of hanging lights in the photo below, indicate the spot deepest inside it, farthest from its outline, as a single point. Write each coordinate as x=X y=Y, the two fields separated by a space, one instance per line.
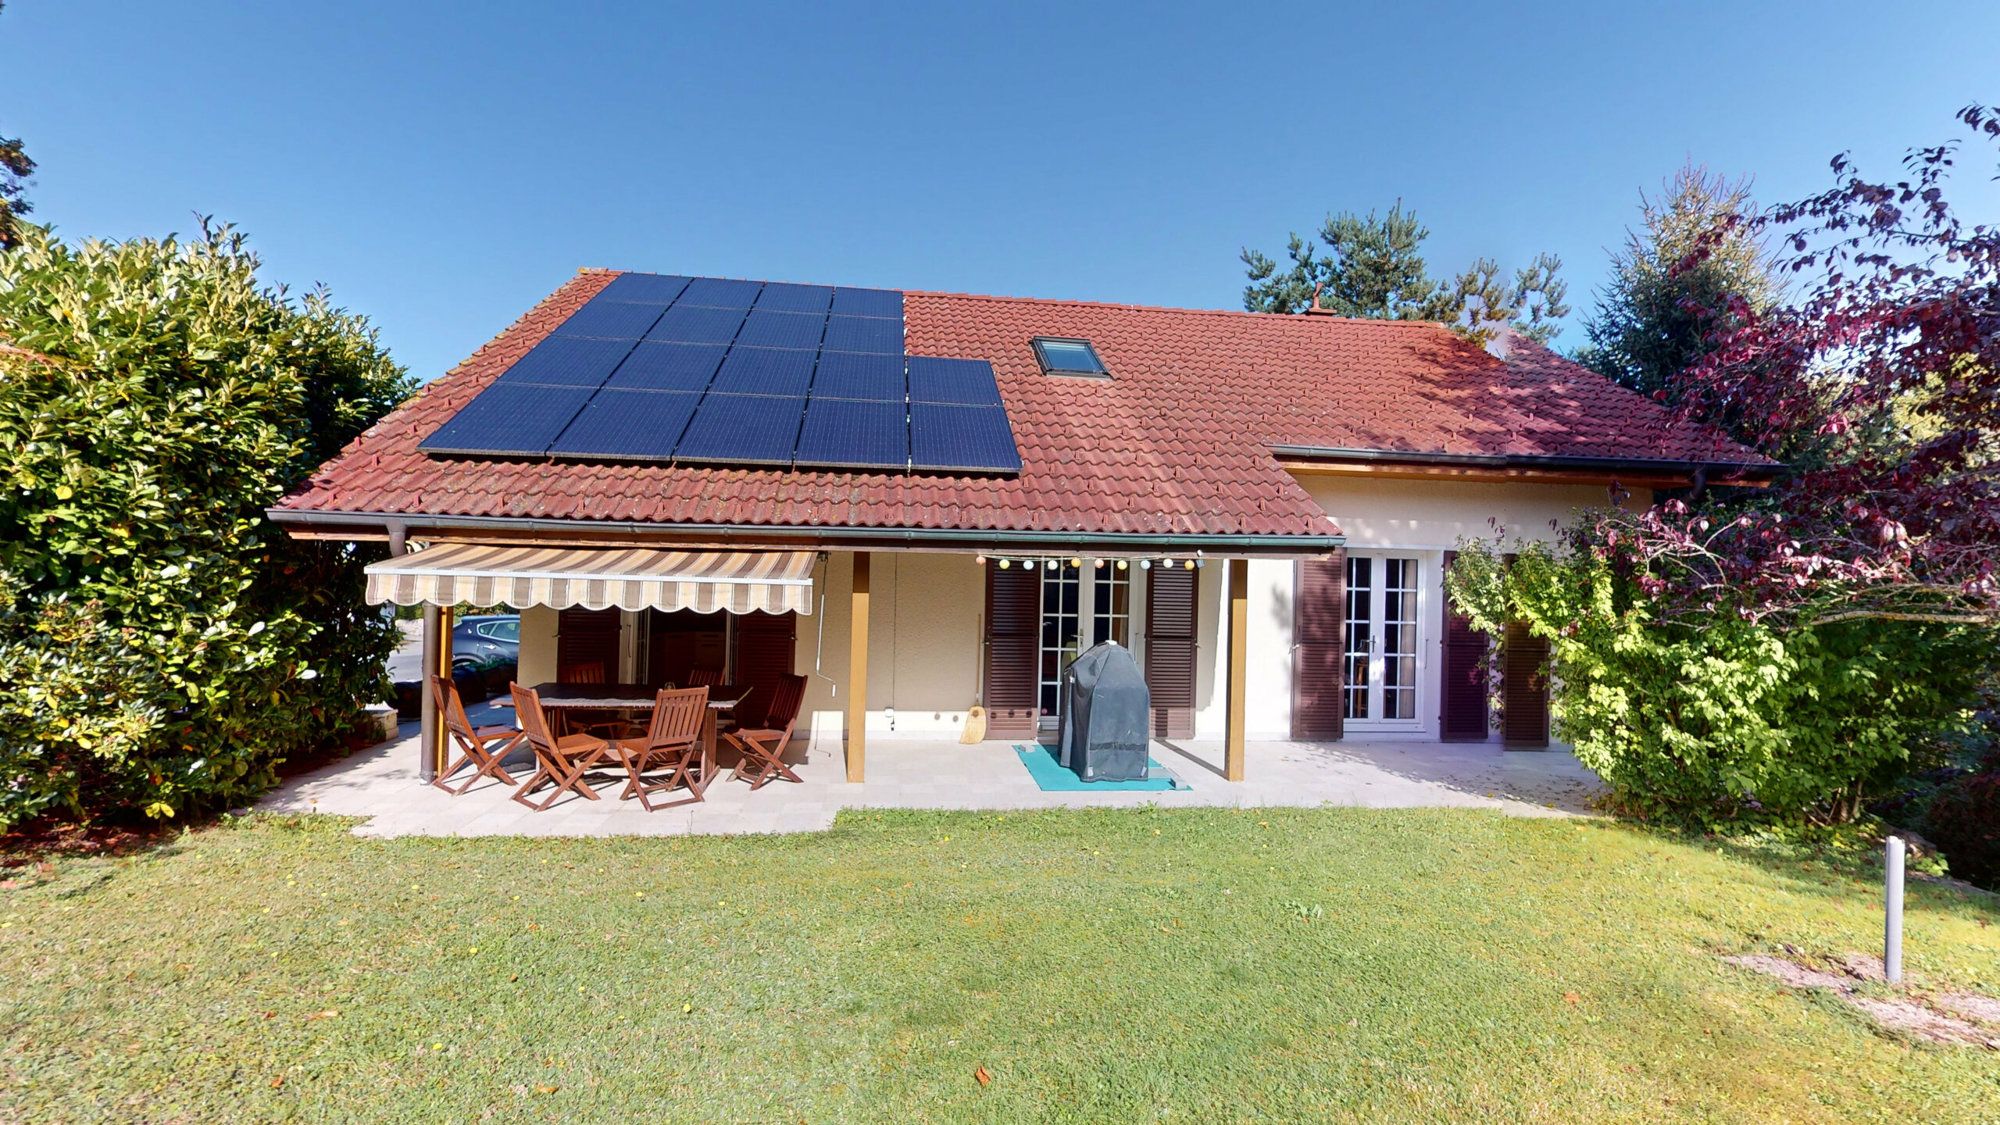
x=1076 y=563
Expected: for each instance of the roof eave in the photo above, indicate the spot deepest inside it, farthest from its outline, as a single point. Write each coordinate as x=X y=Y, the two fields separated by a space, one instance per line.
x=397 y=526
x=1525 y=467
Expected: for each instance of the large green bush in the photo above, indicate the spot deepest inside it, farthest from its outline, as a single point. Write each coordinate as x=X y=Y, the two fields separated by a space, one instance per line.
x=162 y=644
x=1712 y=717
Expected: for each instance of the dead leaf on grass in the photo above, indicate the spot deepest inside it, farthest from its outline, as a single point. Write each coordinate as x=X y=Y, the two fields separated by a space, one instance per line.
x=985 y=1078
x=1572 y=998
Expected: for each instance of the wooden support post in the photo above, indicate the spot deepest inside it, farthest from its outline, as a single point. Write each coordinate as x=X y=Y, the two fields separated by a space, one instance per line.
x=428 y=721
x=438 y=660
x=857 y=673
x=1239 y=631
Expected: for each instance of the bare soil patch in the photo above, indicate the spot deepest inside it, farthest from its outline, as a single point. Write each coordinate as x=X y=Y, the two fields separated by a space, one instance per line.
x=1965 y=1019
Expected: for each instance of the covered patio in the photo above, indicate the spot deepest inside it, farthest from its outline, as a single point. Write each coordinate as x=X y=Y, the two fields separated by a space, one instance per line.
x=381 y=785
x=622 y=590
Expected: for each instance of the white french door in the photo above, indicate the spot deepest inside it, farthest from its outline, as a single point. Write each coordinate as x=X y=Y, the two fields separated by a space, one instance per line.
x=1383 y=681
x=1083 y=602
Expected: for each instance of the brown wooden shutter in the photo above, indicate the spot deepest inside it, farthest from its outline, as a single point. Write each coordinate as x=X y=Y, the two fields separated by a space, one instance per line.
x=587 y=644
x=681 y=641
x=1013 y=626
x=766 y=644
x=1171 y=620
x=1524 y=691
x=1319 y=647
x=1462 y=710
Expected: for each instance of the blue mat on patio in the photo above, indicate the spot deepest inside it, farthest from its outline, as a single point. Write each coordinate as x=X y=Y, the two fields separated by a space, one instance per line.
x=1051 y=776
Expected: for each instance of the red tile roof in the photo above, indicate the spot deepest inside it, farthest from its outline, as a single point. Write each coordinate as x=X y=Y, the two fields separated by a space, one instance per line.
x=1177 y=442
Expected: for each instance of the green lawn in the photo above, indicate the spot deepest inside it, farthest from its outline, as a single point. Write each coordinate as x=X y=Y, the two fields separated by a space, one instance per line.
x=1099 y=965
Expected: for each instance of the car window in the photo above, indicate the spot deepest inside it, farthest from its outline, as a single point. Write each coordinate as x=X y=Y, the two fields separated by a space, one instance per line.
x=509 y=630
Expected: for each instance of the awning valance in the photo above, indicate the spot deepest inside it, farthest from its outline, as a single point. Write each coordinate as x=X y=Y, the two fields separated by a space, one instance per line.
x=596 y=578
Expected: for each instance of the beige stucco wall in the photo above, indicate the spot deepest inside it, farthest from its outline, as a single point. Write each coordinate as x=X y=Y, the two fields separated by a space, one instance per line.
x=923 y=643
x=1424 y=518
x=537 y=663
x=1437 y=514
x=926 y=622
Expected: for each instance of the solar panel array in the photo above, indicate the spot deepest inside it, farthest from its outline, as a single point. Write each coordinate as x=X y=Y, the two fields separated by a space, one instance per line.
x=716 y=371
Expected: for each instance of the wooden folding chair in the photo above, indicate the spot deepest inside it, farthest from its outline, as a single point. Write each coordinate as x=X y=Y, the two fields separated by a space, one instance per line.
x=479 y=747
x=672 y=742
x=763 y=748
x=562 y=760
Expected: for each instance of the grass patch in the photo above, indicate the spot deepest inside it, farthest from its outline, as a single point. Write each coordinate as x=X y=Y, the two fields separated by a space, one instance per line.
x=1097 y=964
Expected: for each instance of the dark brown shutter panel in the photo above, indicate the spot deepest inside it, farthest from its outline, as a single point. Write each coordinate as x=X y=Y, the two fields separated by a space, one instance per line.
x=1171 y=621
x=1462 y=710
x=766 y=644
x=681 y=641
x=1319 y=640
x=1524 y=690
x=1013 y=627
x=587 y=644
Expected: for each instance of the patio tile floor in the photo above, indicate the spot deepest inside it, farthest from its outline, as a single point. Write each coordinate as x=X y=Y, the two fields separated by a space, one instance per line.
x=380 y=784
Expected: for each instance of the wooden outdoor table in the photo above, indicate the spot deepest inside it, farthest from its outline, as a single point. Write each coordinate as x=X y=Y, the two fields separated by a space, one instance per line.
x=639 y=697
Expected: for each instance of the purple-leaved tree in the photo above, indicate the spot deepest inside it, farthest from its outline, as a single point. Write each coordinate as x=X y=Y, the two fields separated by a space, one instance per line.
x=1877 y=382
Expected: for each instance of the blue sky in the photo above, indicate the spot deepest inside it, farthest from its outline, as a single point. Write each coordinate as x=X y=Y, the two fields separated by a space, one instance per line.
x=442 y=166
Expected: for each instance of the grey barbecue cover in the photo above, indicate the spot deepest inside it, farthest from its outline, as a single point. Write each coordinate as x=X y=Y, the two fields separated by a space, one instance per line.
x=1105 y=717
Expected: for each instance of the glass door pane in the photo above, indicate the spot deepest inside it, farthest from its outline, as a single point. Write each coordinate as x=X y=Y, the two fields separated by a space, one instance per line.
x=1111 y=603
x=1360 y=620
x=1061 y=632
x=1399 y=638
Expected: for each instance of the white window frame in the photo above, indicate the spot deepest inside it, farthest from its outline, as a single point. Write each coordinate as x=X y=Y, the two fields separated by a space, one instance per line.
x=1424 y=718
x=1087 y=577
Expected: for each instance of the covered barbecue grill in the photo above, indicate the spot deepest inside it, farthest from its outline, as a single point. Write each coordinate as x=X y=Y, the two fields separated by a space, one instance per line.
x=1104 y=732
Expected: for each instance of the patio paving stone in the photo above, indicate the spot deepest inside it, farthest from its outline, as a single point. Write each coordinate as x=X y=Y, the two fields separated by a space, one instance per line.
x=380 y=784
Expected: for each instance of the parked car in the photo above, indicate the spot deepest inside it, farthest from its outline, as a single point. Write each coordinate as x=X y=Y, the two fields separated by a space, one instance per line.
x=486 y=638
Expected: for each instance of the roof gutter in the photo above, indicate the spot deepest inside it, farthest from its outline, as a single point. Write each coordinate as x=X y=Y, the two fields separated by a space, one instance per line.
x=396 y=524
x=1526 y=461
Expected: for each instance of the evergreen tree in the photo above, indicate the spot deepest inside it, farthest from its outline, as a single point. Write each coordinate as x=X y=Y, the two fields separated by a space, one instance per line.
x=15 y=168
x=1673 y=282
x=1373 y=266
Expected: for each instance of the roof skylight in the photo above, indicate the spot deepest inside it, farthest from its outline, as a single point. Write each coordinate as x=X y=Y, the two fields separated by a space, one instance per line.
x=1062 y=356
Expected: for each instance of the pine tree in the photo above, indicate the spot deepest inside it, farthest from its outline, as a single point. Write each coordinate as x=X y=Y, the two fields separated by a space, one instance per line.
x=15 y=168
x=1673 y=280
x=1373 y=266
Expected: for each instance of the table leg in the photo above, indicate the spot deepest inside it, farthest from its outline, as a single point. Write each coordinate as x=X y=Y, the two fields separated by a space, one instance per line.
x=707 y=749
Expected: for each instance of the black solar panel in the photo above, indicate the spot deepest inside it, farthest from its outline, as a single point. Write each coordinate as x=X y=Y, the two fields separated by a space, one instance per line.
x=965 y=382
x=694 y=324
x=962 y=439
x=767 y=329
x=764 y=371
x=508 y=421
x=667 y=367
x=868 y=302
x=847 y=434
x=720 y=292
x=645 y=288
x=715 y=371
x=864 y=334
x=570 y=361
x=612 y=319
x=859 y=375
x=627 y=425
x=742 y=430
x=795 y=298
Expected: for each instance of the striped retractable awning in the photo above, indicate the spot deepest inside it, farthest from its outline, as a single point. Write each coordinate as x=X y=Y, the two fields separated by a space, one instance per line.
x=596 y=578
